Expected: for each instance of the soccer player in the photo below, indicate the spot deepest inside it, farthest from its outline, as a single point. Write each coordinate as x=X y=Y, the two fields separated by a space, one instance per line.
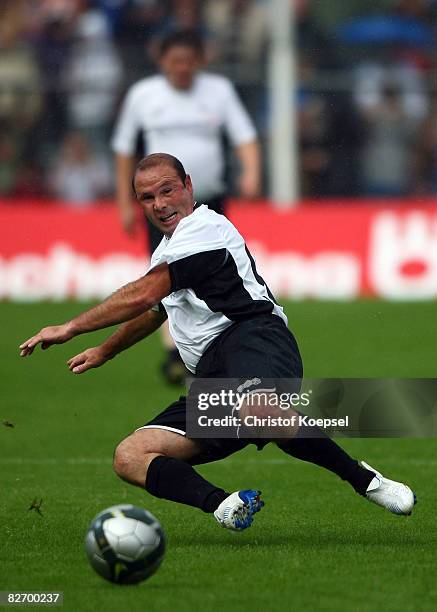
x=226 y=324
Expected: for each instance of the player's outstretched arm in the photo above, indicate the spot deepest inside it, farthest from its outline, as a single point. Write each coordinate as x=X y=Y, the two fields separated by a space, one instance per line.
x=126 y=336
x=125 y=304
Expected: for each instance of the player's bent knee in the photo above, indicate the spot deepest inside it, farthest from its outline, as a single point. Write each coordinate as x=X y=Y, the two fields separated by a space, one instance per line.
x=132 y=459
x=121 y=458
x=134 y=454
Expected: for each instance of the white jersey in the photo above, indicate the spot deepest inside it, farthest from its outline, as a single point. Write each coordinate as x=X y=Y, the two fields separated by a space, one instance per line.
x=187 y=124
x=214 y=282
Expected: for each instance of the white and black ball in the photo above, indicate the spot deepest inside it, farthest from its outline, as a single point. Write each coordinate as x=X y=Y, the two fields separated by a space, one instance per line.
x=125 y=544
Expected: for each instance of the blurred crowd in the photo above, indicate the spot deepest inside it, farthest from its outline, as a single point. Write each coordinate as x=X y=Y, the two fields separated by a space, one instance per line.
x=366 y=92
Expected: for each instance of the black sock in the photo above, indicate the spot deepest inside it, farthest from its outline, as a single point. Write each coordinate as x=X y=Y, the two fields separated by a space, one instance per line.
x=316 y=447
x=177 y=481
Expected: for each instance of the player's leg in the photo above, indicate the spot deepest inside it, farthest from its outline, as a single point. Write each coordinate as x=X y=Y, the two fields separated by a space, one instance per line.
x=368 y=482
x=236 y=511
x=160 y=461
x=160 y=458
x=311 y=444
x=272 y=339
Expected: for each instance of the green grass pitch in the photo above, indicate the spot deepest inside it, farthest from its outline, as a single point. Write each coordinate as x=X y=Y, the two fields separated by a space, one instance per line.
x=315 y=546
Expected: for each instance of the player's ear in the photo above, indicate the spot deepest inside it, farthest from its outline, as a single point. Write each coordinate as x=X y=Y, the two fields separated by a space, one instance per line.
x=188 y=183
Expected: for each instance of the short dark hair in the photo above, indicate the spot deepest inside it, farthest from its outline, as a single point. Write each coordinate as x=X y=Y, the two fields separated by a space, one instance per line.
x=160 y=159
x=182 y=38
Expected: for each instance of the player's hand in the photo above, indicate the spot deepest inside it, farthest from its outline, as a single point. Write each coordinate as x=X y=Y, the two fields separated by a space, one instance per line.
x=91 y=358
x=129 y=219
x=56 y=334
x=249 y=186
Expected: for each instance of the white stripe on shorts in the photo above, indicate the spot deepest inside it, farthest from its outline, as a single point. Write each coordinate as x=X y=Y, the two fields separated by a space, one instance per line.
x=178 y=431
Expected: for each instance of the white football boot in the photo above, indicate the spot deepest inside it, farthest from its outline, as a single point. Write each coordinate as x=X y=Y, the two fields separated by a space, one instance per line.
x=236 y=511
x=394 y=496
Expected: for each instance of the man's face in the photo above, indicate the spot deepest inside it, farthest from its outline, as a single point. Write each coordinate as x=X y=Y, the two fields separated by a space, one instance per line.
x=180 y=65
x=163 y=197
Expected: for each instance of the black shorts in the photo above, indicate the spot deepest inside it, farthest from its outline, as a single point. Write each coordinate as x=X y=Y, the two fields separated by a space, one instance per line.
x=261 y=347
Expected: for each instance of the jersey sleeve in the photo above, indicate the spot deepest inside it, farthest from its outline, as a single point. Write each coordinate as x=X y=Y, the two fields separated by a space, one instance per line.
x=237 y=123
x=196 y=252
x=127 y=126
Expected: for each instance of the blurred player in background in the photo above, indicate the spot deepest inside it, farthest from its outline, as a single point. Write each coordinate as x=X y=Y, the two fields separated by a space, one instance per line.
x=185 y=112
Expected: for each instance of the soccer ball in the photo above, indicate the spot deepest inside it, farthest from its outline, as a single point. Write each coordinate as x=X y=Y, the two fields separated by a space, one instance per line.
x=125 y=544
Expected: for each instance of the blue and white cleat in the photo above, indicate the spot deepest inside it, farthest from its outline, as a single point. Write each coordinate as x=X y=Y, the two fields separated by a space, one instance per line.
x=394 y=496
x=236 y=511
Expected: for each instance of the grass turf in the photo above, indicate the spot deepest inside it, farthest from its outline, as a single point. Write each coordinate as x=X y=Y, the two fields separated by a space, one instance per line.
x=316 y=545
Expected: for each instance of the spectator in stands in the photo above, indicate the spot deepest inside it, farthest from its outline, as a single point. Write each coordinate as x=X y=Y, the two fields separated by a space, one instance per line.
x=371 y=78
x=79 y=176
x=396 y=63
x=329 y=136
x=20 y=99
x=20 y=95
x=53 y=44
x=239 y=31
x=392 y=56
x=311 y=38
x=238 y=35
x=387 y=160
x=92 y=78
